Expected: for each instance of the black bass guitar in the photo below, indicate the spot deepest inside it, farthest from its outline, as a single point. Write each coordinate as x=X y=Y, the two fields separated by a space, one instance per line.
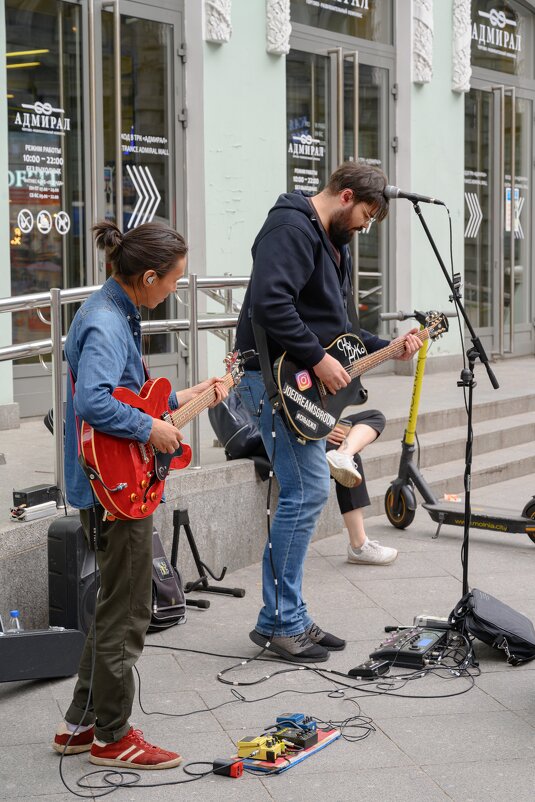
x=311 y=410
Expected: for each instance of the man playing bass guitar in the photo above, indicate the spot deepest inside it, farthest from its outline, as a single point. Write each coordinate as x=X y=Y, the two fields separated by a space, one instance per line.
x=298 y=294
x=103 y=352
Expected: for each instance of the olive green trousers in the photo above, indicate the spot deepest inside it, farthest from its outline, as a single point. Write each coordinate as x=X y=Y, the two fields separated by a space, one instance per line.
x=105 y=683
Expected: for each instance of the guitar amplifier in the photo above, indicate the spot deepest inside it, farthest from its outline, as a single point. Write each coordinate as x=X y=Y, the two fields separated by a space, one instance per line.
x=412 y=648
x=71 y=575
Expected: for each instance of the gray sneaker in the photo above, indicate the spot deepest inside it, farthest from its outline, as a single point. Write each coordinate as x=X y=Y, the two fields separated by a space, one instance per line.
x=372 y=553
x=343 y=469
x=295 y=648
x=325 y=639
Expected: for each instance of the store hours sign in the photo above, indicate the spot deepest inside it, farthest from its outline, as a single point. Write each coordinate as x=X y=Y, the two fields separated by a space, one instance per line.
x=36 y=173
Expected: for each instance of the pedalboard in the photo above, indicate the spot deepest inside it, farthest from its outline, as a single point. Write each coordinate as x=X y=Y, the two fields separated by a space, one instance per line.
x=413 y=647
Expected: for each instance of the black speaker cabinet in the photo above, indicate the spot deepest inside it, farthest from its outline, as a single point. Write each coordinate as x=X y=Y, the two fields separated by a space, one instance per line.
x=40 y=654
x=71 y=575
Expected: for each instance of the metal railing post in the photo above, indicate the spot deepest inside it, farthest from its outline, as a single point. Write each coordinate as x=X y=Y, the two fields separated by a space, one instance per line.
x=193 y=366
x=55 y=298
x=228 y=311
x=57 y=391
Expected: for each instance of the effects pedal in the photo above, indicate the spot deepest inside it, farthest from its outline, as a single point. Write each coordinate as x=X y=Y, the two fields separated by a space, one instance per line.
x=261 y=747
x=301 y=739
x=370 y=669
x=412 y=648
x=297 y=720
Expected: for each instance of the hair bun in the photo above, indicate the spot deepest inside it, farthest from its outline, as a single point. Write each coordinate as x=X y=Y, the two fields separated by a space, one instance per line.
x=109 y=237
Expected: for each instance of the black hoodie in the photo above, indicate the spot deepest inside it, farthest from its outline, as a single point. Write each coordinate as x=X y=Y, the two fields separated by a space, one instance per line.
x=297 y=291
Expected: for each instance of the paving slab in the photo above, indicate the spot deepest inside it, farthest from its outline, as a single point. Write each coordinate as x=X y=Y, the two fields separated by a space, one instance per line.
x=482 y=781
x=477 y=746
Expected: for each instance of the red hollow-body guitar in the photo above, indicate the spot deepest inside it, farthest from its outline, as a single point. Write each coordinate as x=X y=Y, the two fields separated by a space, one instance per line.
x=128 y=477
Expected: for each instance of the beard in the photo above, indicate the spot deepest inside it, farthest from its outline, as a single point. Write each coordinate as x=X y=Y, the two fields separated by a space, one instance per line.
x=340 y=231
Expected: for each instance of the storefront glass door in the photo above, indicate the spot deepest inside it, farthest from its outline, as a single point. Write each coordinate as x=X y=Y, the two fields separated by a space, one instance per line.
x=95 y=92
x=140 y=157
x=337 y=110
x=498 y=216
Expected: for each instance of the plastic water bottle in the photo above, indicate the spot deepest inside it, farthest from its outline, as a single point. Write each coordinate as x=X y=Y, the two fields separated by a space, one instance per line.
x=14 y=625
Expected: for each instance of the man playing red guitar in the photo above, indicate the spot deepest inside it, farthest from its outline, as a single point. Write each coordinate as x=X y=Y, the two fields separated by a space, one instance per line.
x=103 y=352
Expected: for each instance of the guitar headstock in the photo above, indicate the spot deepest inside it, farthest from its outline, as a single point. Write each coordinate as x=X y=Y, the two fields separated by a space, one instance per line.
x=437 y=324
x=235 y=364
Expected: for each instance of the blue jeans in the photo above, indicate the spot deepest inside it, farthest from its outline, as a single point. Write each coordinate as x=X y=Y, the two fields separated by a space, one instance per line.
x=304 y=480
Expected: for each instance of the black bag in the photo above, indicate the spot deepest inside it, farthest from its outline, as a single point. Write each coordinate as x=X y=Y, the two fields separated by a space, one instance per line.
x=496 y=624
x=168 y=600
x=238 y=433
x=235 y=428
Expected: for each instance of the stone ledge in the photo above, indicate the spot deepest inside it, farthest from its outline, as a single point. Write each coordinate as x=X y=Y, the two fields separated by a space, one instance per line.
x=9 y=416
x=227 y=511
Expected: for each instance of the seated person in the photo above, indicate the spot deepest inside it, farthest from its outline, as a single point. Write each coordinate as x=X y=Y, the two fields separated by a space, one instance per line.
x=344 y=445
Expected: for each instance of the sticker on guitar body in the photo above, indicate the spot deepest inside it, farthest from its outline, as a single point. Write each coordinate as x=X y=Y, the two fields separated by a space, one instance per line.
x=312 y=409
x=352 y=350
x=307 y=422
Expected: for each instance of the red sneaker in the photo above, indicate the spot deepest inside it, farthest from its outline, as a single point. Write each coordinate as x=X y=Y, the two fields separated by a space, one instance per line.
x=81 y=742
x=132 y=751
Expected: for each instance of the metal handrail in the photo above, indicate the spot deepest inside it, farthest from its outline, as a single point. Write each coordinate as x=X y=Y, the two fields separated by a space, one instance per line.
x=55 y=298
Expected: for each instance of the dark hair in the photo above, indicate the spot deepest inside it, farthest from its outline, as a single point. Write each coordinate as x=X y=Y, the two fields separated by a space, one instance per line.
x=367 y=183
x=150 y=246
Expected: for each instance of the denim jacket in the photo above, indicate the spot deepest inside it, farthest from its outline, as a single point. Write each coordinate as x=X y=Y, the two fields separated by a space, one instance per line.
x=103 y=351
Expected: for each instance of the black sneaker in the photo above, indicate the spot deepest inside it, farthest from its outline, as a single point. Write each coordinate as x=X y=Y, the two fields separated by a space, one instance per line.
x=325 y=639
x=295 y=648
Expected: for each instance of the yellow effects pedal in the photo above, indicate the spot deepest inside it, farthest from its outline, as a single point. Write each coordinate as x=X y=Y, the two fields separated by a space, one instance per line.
x=262 y=747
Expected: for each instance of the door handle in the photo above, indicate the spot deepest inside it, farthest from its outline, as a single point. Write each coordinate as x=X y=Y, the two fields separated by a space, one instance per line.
x=115 y=5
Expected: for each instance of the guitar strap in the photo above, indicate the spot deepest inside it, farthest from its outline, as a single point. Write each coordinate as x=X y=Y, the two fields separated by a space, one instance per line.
x=263 y=352
x=95 y=528
x=350 y=301
x=266 y=367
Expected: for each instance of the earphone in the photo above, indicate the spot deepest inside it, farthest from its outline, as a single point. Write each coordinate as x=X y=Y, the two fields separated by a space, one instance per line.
x=150 y=280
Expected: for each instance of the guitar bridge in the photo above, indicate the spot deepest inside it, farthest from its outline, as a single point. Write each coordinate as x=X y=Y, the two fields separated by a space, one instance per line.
x=144 y=451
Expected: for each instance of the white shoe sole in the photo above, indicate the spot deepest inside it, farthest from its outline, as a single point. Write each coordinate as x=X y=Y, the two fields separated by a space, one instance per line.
x=344 y=476
x=357 y=561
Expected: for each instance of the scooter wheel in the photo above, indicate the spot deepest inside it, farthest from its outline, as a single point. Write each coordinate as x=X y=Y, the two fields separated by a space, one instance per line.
x=400 y=515
x=529 y=512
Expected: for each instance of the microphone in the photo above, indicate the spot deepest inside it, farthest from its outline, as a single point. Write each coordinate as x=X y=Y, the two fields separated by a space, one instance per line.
x=392 y=193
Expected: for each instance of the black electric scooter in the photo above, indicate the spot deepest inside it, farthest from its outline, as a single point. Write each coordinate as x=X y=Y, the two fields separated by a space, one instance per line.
x=400 y=498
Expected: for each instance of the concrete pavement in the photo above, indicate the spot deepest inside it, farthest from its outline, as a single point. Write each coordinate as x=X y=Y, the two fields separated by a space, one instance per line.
x=477 y=746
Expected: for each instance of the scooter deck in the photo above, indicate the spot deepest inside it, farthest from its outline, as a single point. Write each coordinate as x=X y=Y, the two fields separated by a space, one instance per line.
x=494 y=518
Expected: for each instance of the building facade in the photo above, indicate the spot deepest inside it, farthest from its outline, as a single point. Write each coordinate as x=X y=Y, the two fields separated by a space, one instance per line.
x=200 y=113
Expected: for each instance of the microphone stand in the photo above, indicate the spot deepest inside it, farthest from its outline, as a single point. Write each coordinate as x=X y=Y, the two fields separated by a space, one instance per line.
x=466 y=380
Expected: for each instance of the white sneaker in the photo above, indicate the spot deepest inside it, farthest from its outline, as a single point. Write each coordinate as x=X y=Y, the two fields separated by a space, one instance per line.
x=343 y=469
x=372 y=553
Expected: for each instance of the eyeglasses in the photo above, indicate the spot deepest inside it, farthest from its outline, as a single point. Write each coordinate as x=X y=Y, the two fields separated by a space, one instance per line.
x=369 y=218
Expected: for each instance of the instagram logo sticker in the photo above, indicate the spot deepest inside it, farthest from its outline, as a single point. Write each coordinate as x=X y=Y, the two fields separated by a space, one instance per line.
x=303 y=380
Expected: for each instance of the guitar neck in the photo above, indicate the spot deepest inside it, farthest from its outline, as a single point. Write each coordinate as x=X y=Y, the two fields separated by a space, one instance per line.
x=378 y=357
x=180 y=417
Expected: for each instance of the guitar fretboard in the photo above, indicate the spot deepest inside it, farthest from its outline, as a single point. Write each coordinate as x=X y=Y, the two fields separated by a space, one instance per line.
x=389 y=352
x=186 y=413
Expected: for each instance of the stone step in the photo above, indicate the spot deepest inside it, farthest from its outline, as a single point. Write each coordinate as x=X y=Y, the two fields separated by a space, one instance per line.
x=447 y=477
x=438 y=418
x=436 y=447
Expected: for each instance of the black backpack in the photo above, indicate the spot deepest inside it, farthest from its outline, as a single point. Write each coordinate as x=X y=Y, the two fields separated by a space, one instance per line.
x=496 y=624
x=168 y=600
x=238 y=432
